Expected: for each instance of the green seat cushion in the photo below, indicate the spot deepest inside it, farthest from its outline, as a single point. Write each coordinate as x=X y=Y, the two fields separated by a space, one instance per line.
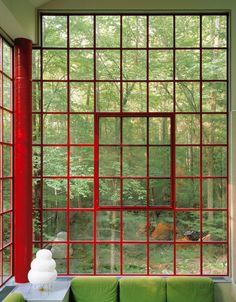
x=94 y=289
x=142 y=289
x=14 y=297
x=190 y=289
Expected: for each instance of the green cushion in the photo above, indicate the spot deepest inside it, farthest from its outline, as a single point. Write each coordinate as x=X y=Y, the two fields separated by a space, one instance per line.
x=94 y=289
x=14 y=297
x=142 y=289
x=190 y=289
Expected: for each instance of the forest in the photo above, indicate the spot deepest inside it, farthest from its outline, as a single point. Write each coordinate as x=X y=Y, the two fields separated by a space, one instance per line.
x=130 y=143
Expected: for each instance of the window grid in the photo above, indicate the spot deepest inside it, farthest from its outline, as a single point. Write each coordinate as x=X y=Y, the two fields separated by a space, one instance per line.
x=201 y=145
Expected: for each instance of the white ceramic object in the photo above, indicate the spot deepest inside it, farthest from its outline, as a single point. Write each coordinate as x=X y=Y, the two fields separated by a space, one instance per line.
x=42 y=268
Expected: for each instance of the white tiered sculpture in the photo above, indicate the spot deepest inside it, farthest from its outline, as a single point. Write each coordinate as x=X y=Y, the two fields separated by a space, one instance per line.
x=43 y=270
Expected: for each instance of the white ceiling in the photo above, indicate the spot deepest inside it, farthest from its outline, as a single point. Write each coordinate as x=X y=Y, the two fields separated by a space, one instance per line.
x=37 y=3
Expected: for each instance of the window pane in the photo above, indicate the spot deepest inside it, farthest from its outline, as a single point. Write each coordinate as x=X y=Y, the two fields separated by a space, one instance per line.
x=161 y=65
x=214 y=161
x=135 y=258
x=134 y=31
x=188 y=97
x=214 y=97
x=215 y=259
x=55 y=129
x=134 y=130
x=134 y=192
x=109 y=192
x=159 y=192
x=188 y=226
x=7 y=127
x=55 y=193
x=187 y=65
x=81 y=225
x=108 y=258
x=81 y=261
x=36 y=128
x=214 y=31
x=7 y=161
x=81 y=161
x=134 y=161
x=54 y=97
x=214 y=226
x=54 y=65
x=161 y=259
x=160 y=97
x=108 y=96
x=81 y=129
x=7 y=262
x=159 y=161
x=187 y=129
x=54 y=31
x=36 y=96
x=7 y=228
x=81 y=193
x=159 y=131
x=187 y=193
x=214 y=129
x=188 y=259
x=54 y=223
x=161 y=31
x=187 y=31
x=7 y=59
x=187 y=161
x=7 y=93
x=7 y=194
x=108 y=65
x=81 y=97
x=214 y=193
x=81 y=65
x=109 y=161
x=134 y=98
x=134 y=226
x=108 y=31
x=81 y=31
x=214 y=64
x=109 y=130
x=36 y=64
x=134 y=65
x=55 y=161
x=161 y=226
x=108 y=226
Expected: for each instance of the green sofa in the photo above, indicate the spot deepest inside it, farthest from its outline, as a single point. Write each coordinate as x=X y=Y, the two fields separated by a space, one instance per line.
x=137 y=289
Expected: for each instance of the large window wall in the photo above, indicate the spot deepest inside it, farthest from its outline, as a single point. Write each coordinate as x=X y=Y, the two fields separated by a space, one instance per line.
x=130 y=143
x=6 y=150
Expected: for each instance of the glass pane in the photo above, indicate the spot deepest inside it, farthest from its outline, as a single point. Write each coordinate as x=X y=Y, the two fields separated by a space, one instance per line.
x=161 y=259
x=55 y=193
x=59 y=253
x=161 y=226
x=7 y=228
x=55 y=129
x=187 y=31
x=7 y=127
x=108 y=258
x=134 y=31
x=159 y=130
x=134 y=161
x=134 y=65
x=214 y=161
x=214 y=129
x=54 y=65
x=159 y=161
x=7 y=194
x=7 y=161
x=54 y=225
x=160 y=97
x=134 y=98
x=81 y=261
x=36 y=225
x=7 y=59
x=134 y=226
x=188 y=259
x=36 y=128
x=36 y=64
x=215 y=259
x=134 y=130
x=81 y=31
x=187 y=97
x=187 y=161
x=109 y=192
x=81 y=97
x=54 y=97
x=188 y=226
x=187 y=65
x=81 y=225
x=81 y=129
x=54 y=31
x=81 y=161
x=134 y=258
x=109 y=161
x=7 y=93
x=7 y=263
x=214 y=31
x=36 y=193
x=108 y=64
x=161 y=31
x=214 y=64
x=109 y=130
x=36 y=161
x=108 y=226
x=187 y=193
x=108 y=96
x=188 y=129
x=55 y=161
x=81 y=65
x=214 y=226
x=36 y=96
x=134 y=192
x=108 y=31
x=214 y=97
x=161 y=65
x=81 y=193
x=214 y=193
x=159 y=192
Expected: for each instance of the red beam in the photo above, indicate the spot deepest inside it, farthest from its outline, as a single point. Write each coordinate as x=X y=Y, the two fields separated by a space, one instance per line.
x=22 y=159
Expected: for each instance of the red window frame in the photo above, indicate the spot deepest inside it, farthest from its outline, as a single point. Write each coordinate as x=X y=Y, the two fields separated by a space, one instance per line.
x=39 y=210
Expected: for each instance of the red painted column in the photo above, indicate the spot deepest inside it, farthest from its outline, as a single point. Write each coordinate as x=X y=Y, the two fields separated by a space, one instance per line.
x=22 y=159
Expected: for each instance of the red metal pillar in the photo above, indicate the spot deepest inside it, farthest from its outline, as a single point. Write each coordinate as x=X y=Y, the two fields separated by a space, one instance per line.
x=22 y=159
